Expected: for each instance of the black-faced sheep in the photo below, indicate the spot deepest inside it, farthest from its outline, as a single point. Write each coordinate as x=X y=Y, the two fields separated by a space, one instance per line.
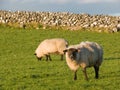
x=49 y=46
x=86 y=54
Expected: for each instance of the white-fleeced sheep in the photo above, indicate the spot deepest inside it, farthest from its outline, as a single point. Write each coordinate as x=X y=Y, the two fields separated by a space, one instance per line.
x=50 y=46
x=86 y=54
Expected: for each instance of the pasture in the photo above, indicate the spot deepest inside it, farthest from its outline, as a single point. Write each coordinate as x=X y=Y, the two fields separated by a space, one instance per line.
x=20 y=70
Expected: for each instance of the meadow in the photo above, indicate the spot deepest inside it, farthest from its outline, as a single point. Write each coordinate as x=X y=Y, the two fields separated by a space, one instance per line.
x=20 y=70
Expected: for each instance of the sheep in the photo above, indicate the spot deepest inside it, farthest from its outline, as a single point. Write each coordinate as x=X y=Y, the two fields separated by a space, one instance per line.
x=51 y=46
x=86 y=54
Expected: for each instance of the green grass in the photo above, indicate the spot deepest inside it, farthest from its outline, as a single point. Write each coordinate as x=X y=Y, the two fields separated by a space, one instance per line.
x=20 y=70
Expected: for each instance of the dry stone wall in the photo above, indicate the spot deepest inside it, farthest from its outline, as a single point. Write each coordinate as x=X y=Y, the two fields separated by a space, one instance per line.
x=61 y=19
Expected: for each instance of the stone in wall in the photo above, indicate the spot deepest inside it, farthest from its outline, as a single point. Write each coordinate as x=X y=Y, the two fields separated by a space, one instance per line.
x=65 y=19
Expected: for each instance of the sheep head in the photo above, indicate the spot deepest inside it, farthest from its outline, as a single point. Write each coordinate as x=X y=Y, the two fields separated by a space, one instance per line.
x=39 y=58
x=71 y=52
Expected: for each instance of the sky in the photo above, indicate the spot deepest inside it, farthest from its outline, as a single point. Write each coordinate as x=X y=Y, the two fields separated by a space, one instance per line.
x=107 y=7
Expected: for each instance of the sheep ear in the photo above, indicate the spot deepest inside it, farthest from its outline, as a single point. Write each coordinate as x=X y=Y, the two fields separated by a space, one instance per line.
x=65 y=51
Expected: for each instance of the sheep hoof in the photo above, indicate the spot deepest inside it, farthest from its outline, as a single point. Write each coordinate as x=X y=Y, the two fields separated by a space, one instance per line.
x=87 y=79
x=96 y=77
x=75 y=78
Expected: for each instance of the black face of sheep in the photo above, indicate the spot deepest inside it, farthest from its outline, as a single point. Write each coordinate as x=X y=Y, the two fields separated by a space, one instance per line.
x=71 y=52
x=39 y=58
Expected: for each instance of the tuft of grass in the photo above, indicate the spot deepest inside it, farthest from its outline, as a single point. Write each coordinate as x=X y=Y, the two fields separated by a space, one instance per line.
x=20 y=70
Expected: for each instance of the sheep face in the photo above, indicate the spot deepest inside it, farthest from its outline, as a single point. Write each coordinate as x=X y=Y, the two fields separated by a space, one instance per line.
x=72 y=52
x=38 y=57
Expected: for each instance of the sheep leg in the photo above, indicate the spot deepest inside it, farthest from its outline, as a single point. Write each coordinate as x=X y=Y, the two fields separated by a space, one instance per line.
x=84 y=71
x=96 y=71
x=75 y=75
x=48 y=58
x=61 y=57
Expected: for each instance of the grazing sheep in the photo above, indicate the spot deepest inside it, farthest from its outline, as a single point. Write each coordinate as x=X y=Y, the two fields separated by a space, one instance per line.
x=86 y=54
x=49 y=46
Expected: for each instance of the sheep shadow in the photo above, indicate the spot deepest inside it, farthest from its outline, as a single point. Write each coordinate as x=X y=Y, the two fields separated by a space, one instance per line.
x=112 y=58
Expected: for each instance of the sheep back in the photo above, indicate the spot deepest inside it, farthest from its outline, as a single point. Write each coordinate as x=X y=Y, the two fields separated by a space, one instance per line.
x=48 y=46
x=89 y=54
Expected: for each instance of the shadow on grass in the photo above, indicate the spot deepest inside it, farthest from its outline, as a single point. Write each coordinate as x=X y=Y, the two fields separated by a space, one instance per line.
x=112 y=58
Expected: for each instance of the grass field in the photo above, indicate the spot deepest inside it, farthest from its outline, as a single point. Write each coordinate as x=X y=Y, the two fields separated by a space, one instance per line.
x=20 y=70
